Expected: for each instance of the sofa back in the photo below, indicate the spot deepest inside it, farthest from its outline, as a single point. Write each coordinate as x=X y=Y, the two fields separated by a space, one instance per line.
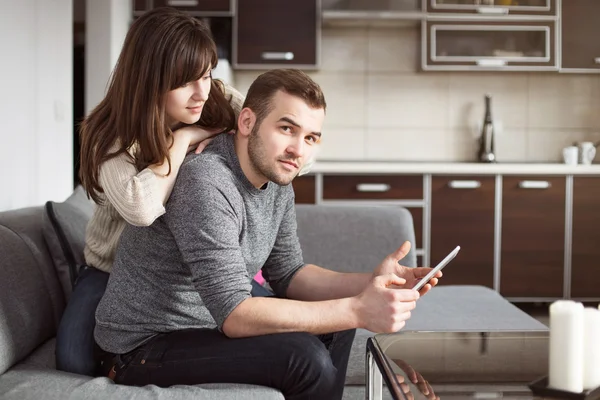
x=31 y=298
x=353 y=238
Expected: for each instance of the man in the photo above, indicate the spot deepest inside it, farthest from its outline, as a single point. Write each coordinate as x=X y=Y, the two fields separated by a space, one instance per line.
x=178 y=309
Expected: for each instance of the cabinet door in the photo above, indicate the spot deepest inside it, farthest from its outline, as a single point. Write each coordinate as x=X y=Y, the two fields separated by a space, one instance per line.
x=270 y=33
x=580 y=33
x=462 y=213
x=585 y=260
x=141 y=6
x=533 y=237
x=493 y=7
x=200 y=7
x=304 y=188
x=489 y=45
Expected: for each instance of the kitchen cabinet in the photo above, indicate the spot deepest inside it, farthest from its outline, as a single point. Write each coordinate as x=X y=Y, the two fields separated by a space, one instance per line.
x=304 y=188
x=198 y=8
x=462 y=213
x=585 y=257
x=533 y=237
x=580 y=31
x=493 y=7
x=498 y=44
x=273 y=33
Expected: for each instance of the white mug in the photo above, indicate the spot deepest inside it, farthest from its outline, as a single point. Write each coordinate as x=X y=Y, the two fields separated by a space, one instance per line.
x=571 y=155
x=587 y=152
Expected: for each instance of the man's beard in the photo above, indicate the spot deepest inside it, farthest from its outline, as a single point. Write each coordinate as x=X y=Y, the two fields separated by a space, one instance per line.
x=259 y=161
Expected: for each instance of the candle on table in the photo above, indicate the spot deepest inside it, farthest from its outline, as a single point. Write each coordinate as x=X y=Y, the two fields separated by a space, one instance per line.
x=591 y=346
x=566 y=346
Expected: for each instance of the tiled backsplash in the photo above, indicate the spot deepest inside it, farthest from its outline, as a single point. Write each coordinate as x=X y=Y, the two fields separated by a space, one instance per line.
x=380 y=107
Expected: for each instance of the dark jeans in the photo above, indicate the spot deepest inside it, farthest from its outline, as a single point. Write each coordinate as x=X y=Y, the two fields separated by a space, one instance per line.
x=301 y=365
x=75 y=335
x=75 y=345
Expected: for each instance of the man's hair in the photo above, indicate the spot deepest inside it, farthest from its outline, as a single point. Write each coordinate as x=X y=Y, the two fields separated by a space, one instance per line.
x=291 y=81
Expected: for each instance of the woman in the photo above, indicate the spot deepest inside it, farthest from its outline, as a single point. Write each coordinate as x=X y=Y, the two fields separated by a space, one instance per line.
x=132 y=145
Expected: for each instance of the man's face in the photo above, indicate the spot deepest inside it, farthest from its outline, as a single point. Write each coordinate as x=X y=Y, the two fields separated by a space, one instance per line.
x=285 y=139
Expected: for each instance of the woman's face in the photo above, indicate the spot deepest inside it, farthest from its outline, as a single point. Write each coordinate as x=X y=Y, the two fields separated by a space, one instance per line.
x=185 y=103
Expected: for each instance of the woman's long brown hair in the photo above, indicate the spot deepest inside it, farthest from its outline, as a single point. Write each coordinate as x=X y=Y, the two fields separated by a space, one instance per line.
x=163 y=50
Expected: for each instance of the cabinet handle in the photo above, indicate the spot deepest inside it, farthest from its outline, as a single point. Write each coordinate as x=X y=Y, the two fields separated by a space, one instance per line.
x=277 y=55
x=373 y=187
x=464 y=184
x=486 y=62
x=492 y=10
x=534 y=184
x=183 y=3
x=597 y=60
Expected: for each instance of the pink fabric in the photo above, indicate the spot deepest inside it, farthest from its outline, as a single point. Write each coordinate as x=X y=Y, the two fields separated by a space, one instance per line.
x=259 y=278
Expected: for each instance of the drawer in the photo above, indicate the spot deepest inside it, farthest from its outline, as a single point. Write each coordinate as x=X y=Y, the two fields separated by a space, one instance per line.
x=372 y=187
x=304 y=188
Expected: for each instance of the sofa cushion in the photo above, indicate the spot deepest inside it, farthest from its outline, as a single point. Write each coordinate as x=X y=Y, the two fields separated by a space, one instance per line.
x=353 y=238
x=31 y=299
x=64 y=227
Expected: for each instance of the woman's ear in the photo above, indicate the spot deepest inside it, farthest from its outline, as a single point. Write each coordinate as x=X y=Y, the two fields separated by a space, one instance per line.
x=246 y=121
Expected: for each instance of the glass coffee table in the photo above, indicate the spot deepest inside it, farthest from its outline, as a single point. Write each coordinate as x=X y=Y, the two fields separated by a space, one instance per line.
x=456 y=365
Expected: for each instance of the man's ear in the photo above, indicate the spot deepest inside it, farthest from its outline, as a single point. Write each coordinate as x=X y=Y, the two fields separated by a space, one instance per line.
x=246 y=121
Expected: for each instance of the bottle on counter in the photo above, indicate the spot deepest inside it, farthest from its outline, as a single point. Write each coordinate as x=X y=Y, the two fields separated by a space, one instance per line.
x=486 y=140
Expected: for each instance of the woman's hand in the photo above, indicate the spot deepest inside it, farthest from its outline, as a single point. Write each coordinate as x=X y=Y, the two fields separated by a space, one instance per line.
x=196 y=138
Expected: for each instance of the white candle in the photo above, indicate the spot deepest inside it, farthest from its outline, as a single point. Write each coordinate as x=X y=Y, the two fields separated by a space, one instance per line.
x=591 y=346
x=566 y=346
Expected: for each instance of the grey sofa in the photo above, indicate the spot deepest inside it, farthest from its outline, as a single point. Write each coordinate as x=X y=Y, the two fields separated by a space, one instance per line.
x=32 y=299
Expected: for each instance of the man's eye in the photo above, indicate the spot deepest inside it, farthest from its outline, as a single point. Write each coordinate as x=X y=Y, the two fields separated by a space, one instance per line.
x=311 y=139
x=286 y=128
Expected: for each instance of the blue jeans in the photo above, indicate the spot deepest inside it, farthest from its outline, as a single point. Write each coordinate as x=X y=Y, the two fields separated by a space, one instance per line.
x=75 y=343
x=75 y=335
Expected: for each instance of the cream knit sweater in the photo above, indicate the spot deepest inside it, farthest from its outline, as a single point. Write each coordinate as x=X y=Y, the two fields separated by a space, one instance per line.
x=130 y=196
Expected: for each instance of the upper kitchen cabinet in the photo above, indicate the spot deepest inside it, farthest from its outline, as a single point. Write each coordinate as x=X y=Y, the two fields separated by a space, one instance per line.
x=580 y=20
x=493 y=7
x=274 y=33
x=198 y=8
x=499 y=44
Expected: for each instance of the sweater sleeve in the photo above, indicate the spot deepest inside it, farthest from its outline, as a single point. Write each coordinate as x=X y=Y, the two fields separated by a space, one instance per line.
x=133 y=194
x=206 y=229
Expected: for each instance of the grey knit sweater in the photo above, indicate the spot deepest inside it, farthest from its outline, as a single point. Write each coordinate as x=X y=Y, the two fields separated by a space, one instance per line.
x=194 y=265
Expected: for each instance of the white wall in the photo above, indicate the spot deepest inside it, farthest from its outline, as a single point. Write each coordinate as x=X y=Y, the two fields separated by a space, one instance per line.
x=36 y=106
x=107 y=22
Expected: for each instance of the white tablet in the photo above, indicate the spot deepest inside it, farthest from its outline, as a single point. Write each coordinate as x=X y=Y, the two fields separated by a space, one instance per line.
x=437 y=268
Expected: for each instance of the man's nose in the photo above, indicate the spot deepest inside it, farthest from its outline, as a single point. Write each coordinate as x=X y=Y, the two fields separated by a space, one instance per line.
x=296 y=147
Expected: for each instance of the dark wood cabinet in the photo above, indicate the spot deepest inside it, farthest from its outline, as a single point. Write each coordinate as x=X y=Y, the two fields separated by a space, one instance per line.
x=141 y=6
x=533 y=237
x=198 y=8
x=498 y=44
x=493 y=7
x=372 y=187
x=585 y=259
x=269 y=33
x=580 y=21
x=462 y=213
x=304 y=188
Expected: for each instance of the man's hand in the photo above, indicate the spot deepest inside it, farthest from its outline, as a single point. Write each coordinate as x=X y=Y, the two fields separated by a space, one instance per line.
x=411 y=276
x=382 y=309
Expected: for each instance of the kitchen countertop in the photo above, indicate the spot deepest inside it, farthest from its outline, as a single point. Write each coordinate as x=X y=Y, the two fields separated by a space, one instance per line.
x=450 y=168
